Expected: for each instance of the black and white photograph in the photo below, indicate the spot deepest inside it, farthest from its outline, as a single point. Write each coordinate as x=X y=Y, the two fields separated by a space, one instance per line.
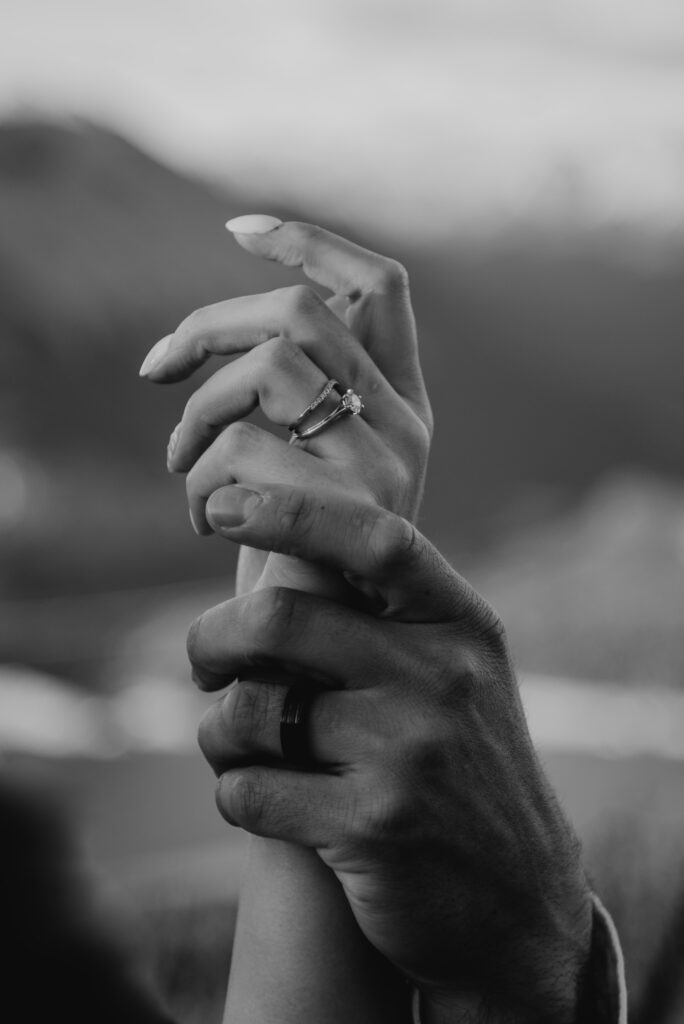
x=342 y=511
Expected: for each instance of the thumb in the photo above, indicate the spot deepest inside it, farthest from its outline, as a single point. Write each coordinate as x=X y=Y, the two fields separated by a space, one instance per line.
x=378 y=552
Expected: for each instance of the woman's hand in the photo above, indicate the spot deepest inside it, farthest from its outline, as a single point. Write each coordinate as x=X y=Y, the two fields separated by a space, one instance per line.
x=289 y=343
x=430 y=805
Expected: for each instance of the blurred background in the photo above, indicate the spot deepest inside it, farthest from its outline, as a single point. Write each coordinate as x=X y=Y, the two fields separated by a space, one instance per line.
x=525 y=161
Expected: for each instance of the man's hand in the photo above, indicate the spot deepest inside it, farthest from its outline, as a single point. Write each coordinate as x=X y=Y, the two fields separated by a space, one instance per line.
x=430 y=805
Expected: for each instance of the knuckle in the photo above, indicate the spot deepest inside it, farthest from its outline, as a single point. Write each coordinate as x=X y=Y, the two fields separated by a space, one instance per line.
x=269 y=615
x=392 y=543
x=404 y=806
x=400 y=483
x=303 y=300
x=424 y=757
x=457 y=675
x=193 y=323
x=487 y=624
x=391 y=277
x=488 y=616
x=280 y=353
x=384 y=817
x=481 y=647
x=239 y=437
x=296 y=517
x=475 y=617
x=493 y=634
x=420 y=430
x=249 y=711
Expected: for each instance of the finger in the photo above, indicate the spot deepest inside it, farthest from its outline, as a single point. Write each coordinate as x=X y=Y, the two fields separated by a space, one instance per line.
x=237 y=325
x=278 y=377
x=376 y=286
x=244 y=726
x=244 y=453
x=381 y=553
x=328 y=259
x=301 y=807
x=293 y=632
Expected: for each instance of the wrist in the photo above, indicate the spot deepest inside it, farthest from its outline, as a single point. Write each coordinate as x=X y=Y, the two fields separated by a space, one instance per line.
x=541 y=979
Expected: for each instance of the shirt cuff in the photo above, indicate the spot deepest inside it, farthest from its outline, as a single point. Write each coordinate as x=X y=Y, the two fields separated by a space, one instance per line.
x=606 y=993
x=607 y=986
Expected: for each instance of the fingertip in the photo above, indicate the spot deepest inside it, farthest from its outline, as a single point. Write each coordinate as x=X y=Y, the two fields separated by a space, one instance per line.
x=209 y=681
x=222 y=798
x=154 y=358
x=200 y=526
x=199 y=682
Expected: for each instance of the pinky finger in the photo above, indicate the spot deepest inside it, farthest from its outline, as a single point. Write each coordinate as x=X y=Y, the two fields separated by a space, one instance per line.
x=306 y=808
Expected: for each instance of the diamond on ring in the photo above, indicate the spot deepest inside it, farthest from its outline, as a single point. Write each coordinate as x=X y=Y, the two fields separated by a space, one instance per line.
x=352 y=402
x=349 y=404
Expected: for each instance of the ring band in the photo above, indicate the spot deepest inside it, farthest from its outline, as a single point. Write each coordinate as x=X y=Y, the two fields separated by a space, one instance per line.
x=314 y=405
x=294 y=727
x=349 y=404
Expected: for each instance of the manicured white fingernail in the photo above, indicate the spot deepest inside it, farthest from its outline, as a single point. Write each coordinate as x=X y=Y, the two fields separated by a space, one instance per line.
x=155 y=355
x=253 y=224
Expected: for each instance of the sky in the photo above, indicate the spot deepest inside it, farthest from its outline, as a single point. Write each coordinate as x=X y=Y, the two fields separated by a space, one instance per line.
x=420 y=116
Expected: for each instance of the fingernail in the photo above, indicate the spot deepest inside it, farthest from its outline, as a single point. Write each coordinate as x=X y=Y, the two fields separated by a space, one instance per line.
x=253 y=224
x=231 y=506
x=194 y=524
x=155 y=355
x=171 y=447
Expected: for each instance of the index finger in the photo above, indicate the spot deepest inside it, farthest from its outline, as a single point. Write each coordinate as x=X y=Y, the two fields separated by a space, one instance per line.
x=343 y=267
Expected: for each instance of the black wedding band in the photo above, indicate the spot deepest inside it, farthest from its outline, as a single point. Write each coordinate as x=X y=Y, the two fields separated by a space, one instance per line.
x=294 y=727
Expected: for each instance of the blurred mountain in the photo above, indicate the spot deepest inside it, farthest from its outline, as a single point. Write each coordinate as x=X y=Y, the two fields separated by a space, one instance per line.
x=102 y=251
x=598 y=593
x=549 y=362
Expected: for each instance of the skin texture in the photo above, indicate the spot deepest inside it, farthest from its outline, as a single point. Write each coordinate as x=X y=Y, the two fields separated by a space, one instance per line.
x=428 y=803
x=293 y=914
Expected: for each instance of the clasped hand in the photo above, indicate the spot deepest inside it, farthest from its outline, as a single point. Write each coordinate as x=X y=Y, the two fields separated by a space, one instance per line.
x=426 y=800
x=428 y=803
